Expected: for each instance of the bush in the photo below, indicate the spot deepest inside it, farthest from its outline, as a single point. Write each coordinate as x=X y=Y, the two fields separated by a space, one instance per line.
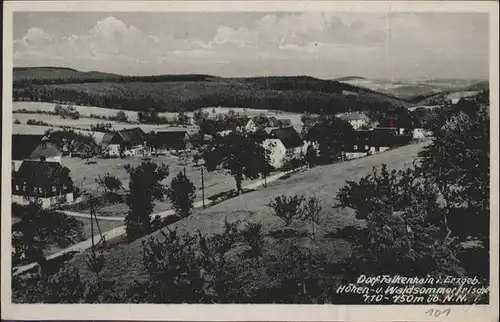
x=16 y=121
x=35 y=122
x=293 y=163
x=181 y=194
x=145 y=187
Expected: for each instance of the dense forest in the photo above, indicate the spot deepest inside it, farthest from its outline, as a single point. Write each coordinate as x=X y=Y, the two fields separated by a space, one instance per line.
x=174 y=93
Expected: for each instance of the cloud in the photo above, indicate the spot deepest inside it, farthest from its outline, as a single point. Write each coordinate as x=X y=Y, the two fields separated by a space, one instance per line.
x=283 y=43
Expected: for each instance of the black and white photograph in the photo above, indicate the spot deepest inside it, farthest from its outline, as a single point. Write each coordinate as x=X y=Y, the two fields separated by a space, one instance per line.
x=326 y=155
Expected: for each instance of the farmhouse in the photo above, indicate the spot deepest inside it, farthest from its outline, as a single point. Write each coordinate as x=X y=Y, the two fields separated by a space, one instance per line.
x=48 y=182
x=170 y=140
x=32 y=147
x=360 y=146
x=125 y=142
x=356 y=119
x=283 y=143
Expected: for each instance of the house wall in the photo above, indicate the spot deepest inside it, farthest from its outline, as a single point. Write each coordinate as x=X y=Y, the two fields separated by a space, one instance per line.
x=357 y=124
x=135 y=151
x=419 y=133
x=374 y=150
x=278 y=152
x=54 y=159
x=354 y=155
x=46 y=202
x=16 y=164
x=114 y=150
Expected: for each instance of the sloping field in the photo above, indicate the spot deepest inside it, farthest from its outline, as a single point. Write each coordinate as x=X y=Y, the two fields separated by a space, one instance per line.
x=83 y=110
x=124 y=262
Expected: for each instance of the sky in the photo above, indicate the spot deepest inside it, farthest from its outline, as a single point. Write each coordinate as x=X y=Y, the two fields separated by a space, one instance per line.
x=319 y=44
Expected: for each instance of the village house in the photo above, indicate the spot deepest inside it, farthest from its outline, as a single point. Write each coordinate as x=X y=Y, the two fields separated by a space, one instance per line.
x=356 y=119
x=33 y=147
x=283 y=143
x=127 y=142
x=164 y=141
x=48 y=182
x=360 y=146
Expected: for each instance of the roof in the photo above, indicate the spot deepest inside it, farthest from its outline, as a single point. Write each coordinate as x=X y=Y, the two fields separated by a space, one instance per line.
x=288 y=136
x=39 y=173
x=24 y=144
x=45 y=150
x=135 y=136
x=174 y=139
x=108 y=137
x=353 y=116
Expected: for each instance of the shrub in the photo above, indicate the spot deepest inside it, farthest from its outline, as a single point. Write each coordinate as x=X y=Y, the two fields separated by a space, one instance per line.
x=145 y=187
x=35 y=122
x=181 y=194
x=16 y=121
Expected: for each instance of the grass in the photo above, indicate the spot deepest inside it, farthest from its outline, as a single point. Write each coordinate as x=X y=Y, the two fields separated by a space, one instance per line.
x=84 y=176
x=124 y=261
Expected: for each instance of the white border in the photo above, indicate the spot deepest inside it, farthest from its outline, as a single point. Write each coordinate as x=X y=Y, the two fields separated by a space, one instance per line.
x=244 y=312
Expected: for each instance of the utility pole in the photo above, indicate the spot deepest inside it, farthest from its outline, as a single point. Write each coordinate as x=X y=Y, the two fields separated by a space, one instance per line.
x=202 y=188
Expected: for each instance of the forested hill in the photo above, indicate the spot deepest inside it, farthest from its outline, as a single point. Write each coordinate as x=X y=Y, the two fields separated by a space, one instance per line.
x=190 y=92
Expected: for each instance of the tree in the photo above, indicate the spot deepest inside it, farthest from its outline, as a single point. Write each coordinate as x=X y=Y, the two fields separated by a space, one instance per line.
x=238 y=153
x=199 y=116
x=432 y=218
x=332 y=134
x=458 y=164
x=182 y=118
x=87 y=145
x=145 y=187
x=109 y=183
x=121 y=117
x=181 y=194
x=40 y=229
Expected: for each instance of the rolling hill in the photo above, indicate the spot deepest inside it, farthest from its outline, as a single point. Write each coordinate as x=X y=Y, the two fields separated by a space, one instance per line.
x=437 y=98
x=56 y=73
x=173 y=93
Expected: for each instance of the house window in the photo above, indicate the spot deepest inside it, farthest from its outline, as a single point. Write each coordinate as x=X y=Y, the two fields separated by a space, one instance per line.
x=355 y=148
x=53 y=189
x=366 y=147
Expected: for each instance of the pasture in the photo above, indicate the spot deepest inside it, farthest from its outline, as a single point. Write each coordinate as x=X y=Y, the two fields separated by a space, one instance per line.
x=84 y=176
x=84 y=111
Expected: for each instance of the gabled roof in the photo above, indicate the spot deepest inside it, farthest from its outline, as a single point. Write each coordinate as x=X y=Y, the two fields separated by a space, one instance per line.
x=39 y=173
x=288 y=136
x=173 y=139
x=135 y=136
x=108 y=137
x=45 y=150
x=353 y=116
x=24 y=144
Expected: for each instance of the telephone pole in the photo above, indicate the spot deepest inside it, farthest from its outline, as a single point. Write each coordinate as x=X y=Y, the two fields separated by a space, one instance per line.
x=202 y=188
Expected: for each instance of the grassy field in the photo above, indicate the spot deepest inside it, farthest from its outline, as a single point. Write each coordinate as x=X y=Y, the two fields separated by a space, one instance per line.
x=83 y=110
x=85 y=123
x=124 y=261
x=84 y=176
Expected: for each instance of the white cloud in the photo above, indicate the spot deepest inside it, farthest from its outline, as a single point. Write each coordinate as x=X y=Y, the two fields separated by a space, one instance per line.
x=354 y=43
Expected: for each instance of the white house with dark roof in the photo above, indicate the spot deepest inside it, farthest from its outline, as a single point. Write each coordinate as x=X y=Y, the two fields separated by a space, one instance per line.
x=33 y=147
x=47 y=182
x=356 y=119
x=283 y=143
x=125 y=142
